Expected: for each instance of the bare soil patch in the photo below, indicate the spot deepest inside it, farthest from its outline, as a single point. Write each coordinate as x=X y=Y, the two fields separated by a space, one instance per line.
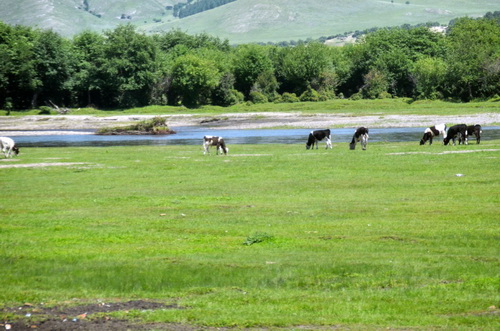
x=91 y=317
x=42 y=164
x=40 y=124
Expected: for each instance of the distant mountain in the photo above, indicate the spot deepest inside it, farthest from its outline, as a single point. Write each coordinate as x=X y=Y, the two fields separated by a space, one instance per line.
x=240 y=21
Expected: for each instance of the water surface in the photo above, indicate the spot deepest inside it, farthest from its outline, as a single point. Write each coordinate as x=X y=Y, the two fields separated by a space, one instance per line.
x=194 y=135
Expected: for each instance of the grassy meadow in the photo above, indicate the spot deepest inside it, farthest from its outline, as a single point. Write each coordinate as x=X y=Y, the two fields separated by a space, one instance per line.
x=397 y=236
x=242 y=21
x=381 y=107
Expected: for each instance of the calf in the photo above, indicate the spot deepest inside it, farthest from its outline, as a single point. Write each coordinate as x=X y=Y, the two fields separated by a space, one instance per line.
x=361 y=134
x=457 y=131
x=319 y=135
x=8 y=146
x=218 y=142
x=433 y=131
x=476 y=130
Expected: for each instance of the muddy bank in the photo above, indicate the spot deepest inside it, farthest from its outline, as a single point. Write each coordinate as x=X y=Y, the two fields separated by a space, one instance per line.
x=10 y=125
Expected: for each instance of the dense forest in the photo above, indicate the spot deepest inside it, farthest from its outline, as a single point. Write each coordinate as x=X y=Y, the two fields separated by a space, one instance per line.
x=189 y=8
x=122 y=68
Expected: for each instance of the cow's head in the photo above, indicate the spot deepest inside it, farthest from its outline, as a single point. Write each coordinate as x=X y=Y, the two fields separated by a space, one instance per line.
x=426 y=137
x=15 y=150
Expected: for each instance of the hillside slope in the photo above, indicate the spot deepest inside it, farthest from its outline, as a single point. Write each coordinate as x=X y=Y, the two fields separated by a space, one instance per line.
x=240 y=21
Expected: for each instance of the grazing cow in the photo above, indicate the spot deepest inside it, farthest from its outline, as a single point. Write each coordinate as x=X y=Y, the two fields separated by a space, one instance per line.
x=218 y=142
x=8 y=146
x=433 y=131
x=319 y=135
x=361 y=134
x=476 y=130
x=457 y=131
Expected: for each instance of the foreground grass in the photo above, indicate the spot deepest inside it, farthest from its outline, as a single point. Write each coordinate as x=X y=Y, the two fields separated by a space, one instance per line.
x=401 y=106
x=388 y=237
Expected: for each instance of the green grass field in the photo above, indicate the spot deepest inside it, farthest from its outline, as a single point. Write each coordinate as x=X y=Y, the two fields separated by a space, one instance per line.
x=242 y=21
x=268 y=236
x=381 y=107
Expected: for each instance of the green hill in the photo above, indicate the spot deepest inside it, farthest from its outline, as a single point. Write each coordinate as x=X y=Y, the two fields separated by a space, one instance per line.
x=240 y=21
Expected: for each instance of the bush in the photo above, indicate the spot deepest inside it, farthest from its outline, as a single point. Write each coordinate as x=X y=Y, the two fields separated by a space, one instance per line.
x=236 y=97
x=356 y=96
x=258 y=97
x=156 y=125
x=258 y=237
x=44 y=110
x=289 y=97
x=385 y=95
x=310 y=95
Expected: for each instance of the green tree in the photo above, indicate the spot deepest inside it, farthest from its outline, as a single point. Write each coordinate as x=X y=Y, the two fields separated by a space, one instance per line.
x=129 y=69
x=18 y=75
x=54 y=68
x=250 y=62
x=89 y=56
x=376 y=83
x=193 y=80
x=301 y=65
x=393 y=52
x=430 y=75
x=473 y=58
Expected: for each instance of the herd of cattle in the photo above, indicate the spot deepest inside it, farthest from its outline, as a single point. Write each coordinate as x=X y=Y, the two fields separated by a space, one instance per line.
x=461 y=132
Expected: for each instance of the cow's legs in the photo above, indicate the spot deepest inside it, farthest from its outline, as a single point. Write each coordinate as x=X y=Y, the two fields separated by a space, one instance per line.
x=328 y=143
x=364 y=141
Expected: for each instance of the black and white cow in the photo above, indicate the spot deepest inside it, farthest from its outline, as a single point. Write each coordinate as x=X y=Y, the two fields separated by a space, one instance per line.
x=436 y=130
x=457 y=131
x=218 y=142
x=319 y=135
x=360 y=135
x=8 y=146
x=476 y=131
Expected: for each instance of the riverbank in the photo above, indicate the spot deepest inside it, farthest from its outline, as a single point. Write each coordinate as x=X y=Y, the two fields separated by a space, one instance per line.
x=66 y=124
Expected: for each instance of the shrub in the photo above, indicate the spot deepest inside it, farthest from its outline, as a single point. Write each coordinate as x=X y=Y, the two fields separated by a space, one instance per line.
x=258 y=97
x=356 y=96
x=156 y=125
x=289 y=97
x=258 y=237
x=310 y=95
x=44 y=110
x=384 y=95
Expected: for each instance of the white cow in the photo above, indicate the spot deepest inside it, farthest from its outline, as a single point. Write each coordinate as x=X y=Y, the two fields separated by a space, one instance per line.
x=8 y=146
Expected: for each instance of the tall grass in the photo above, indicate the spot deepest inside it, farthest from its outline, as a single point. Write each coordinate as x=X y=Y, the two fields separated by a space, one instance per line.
x=399 y=106
x=388 y=237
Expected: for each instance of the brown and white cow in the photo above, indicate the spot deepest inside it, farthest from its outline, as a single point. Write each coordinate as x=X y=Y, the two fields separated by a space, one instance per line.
x=218 y=142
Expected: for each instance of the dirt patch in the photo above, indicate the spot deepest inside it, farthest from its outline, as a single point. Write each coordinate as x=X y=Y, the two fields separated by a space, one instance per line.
x=446 y=152
x=91 y=317
x=41 y=165
x=37 y=124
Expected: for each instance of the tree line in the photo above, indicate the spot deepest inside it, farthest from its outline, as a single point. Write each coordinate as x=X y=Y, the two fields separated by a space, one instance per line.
x=182 y=10
x=122 y=68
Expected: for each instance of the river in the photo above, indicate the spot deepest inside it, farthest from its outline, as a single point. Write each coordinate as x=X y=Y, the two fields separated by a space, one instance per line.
x=194 y=135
